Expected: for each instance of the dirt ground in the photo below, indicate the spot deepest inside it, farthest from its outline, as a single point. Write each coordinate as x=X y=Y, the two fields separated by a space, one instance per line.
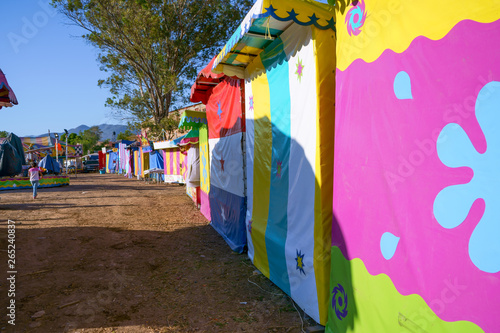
x=110 y=254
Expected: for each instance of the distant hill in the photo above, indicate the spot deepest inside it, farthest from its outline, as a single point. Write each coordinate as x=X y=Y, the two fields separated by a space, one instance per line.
x=107 y=130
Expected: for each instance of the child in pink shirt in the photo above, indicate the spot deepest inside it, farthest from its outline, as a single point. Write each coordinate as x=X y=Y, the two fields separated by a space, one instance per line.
x=35 y=174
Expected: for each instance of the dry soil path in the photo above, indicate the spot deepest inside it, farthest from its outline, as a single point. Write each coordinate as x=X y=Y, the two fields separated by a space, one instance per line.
x=110 y=254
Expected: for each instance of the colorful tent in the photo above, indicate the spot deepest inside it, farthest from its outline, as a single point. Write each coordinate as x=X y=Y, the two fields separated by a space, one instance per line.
x=175 y=165
x=197 y=120
x=156 y=162
x=416 y=233
x=7 y=96
x=175 y=156
x=225 y=118
x=137 y=162
x=112 y=162
x=285 y=52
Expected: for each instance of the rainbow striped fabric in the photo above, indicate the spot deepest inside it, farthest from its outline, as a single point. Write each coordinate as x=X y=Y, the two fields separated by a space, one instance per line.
x=175 y=166
x=289 y=146
x=416 y=233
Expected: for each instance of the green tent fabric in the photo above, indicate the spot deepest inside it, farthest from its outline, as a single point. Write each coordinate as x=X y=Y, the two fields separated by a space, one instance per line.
x=18 y=145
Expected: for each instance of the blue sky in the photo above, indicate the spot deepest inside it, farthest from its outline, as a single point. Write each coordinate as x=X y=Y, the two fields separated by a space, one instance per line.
x=53 y=72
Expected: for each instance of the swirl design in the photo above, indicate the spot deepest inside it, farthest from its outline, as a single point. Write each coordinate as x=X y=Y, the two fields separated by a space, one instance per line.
x=355 y=18
x=339 y=302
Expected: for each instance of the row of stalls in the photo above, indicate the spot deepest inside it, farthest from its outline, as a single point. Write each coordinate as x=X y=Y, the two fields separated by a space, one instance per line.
x=175 y=162
x=351 y=151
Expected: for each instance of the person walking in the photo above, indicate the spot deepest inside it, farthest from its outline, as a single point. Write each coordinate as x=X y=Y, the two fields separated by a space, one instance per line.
x=35 y=175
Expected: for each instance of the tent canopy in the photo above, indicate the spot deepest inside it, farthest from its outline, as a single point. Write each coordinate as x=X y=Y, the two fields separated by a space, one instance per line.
x=205 y=83
x=50 y=164
x=262 y=25
x=7 y=96
x=191 y=137
x=191 y=119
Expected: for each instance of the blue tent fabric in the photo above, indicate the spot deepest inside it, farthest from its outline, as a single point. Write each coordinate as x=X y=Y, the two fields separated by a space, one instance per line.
x=227 y=208
x=126 y=142
x=50 y=164
x=156 y=162
x=112 y=162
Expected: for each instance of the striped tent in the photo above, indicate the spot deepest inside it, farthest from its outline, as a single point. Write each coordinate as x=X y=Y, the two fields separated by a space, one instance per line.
x=191 y=119
x=284 y=51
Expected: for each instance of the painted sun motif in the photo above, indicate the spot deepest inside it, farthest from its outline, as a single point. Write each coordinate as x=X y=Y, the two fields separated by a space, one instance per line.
x=300 y=262
x=300 y=69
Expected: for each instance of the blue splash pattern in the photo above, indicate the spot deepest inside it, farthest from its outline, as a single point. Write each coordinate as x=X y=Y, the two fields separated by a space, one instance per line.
x=388 y=245
x=453 y=203
x=402 y=86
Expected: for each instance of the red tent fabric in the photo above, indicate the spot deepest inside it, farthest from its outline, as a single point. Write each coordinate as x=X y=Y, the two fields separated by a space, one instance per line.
x=206 y=81
x=102 y=160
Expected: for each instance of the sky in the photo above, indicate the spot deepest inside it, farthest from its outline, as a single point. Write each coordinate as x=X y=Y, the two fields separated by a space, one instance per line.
x=52 y=71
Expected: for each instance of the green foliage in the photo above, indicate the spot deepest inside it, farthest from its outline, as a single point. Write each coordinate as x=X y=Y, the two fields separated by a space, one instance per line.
x=89 y=138
x=4 y=134
x=152 y=49
x=341 y=5
x=165 y=130
x=127 y=135
x=73 y=138
x=100 y=145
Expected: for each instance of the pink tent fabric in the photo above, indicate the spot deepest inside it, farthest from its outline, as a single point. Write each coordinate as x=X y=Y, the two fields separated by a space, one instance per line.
x=7 y=96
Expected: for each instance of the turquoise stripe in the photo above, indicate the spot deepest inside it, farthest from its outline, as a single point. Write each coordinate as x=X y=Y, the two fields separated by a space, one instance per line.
x=231 y=58
x=274 y=60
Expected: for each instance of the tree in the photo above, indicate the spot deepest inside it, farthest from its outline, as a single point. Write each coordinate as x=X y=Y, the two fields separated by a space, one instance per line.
x=165 y=130
x=4 y=134
x=73 y=138
x=90 y=137
x=100 y=145
x=341 y=5
x=127 y=135
x=152 y=48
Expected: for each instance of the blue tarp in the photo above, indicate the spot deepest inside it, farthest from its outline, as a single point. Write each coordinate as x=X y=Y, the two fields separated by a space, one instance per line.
x=50 y=164
x=156 y=162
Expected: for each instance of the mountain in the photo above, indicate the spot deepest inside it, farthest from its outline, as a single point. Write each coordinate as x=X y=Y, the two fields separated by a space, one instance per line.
x=107 y=130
